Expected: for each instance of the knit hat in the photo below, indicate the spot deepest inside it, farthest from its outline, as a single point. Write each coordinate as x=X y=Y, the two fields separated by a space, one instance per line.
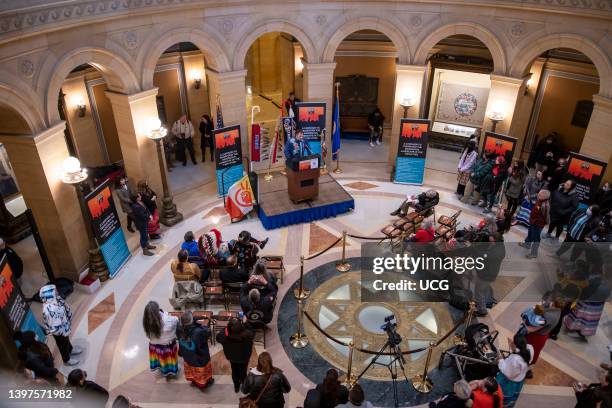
x=47 y=293
x=210 y=242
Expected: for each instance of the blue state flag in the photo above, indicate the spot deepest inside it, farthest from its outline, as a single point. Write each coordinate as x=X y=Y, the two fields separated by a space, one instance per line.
x=336 y=130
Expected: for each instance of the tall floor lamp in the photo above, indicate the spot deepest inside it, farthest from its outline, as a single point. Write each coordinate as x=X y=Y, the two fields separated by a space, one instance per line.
x=169 y=215
x=75 y=175
x=406 y=104
x=495 y=117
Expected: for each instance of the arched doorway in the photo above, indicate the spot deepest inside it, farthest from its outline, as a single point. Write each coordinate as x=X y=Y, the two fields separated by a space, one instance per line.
x=365 y=74
x=274 y=63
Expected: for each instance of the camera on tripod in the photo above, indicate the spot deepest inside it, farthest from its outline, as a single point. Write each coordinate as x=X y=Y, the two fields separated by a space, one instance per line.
x=390 y=327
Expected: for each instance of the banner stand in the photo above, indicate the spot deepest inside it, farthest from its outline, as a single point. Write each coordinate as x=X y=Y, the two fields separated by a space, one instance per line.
x=411 y=151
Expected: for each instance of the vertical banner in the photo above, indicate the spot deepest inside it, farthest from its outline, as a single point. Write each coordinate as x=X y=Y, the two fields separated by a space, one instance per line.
x=228 y=157
x=255 y=142
x=501 y=145
x=288 y=128
x=14 y=309
x=411 y=151
x=311 y=119
x=107 y=228
x=588 y=173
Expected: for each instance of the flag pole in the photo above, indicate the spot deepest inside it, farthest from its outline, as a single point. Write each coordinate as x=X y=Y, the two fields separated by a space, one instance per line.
x=337 y=170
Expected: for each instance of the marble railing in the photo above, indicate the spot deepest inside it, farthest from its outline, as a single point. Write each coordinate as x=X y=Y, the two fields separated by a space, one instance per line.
x=17 y=16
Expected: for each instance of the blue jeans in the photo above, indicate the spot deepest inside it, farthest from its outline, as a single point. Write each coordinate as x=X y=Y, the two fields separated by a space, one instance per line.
x=533 y=237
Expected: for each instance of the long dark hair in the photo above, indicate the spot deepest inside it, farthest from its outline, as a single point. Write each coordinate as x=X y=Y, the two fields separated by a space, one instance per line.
x=491 y=387
x=521 y=344
x=264 y=364
x=183 y=256
x=151 y=320
x=236 y=330
x=331 y=385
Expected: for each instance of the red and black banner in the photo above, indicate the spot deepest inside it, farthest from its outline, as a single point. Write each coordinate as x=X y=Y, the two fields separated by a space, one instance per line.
x=500 y=145
x=588 y=174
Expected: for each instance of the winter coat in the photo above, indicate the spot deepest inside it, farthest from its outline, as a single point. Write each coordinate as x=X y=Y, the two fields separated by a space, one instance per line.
x=57 y=316
x=533 y=187
x=141 y=215
x=542 y=149
x=237 y=349
x=563 y=204
x=480 y=170
x=467 y=160
x=491 y=183
x=514 y=187
x=193 y=345
x=590 y=227
x=168 y=330
x=125 y=198
x=540 y=214
x=186 y=292
x=272 y=396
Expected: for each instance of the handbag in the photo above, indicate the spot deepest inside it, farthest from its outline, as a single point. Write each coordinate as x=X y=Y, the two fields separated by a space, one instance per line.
x=247 y=402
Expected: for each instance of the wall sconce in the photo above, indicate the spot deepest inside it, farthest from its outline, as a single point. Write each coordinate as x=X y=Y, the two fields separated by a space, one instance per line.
x=496 y=114
x=81 y=108
x=406 y=104
x=197 y=78
x=529 y=83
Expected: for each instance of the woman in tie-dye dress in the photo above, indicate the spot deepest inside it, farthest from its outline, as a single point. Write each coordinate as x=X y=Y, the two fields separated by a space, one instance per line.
x=160 y=328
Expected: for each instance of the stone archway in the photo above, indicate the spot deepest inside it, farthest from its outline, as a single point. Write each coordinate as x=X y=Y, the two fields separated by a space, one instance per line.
x=367 y=23
x=117 y=73
x=475 y=30
x=269 y=27
x=533 y=47
x=12 y=97
x=216 y=58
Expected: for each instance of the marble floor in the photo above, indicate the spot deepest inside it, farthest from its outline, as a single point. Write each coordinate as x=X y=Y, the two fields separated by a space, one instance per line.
x=108 y=323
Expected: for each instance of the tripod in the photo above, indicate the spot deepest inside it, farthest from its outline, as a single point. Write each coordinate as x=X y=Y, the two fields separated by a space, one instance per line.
x=391 y=348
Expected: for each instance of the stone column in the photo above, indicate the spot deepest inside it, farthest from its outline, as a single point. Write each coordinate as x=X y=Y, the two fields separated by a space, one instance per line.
x=503 y=95
x=37 y=161
x=597 y=141
x=408 y=84
x=231 y=88
x=319 y=87
x=132 y=113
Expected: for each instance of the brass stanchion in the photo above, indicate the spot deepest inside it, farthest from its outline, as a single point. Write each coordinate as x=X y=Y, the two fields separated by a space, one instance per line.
x=459 y=340
x=268 y=177
x=350 y=379
x=324 y=170
x=337 y=170
x=300 y=292
x=421 y=382
x=343 y=266
x=299 y=340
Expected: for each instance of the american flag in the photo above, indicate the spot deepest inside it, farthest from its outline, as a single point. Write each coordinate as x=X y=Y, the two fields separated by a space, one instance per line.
x=219 y=114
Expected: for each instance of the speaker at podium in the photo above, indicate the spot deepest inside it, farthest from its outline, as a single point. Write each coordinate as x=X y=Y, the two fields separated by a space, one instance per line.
x=303 y=177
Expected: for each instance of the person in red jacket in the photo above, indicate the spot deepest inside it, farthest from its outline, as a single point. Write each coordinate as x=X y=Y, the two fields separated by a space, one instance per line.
x=539 y=217
x=486 y=393
x=426 y=233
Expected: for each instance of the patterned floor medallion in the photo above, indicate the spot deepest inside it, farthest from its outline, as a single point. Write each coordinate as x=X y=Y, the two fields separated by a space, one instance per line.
x=336 y=306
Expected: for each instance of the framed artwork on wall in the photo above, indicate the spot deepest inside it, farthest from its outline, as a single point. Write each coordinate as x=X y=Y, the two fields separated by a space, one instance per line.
x=461 y=104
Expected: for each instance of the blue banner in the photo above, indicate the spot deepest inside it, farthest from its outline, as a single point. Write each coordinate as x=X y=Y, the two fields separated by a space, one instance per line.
x=311 y=120
x=227 y=177
x=411 y=151
x=107 y=228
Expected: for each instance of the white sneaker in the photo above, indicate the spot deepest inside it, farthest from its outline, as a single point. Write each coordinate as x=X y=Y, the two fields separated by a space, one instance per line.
x=371 y=144
x=76 y=350
x=378 y=142
x=72 y=362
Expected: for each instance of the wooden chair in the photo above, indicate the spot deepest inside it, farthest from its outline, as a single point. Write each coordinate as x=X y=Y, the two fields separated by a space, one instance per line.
x=231 y=290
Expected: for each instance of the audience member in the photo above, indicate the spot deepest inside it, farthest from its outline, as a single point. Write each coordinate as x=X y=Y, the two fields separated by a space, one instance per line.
x=331 y=390
x=486 y=393
x=87 y=393
x=36 y=357
x=544 y=153
x=583 y=223
x=563 y=202
x=375 y=123
x=459 y=398
x=266 y=384
x=245 y=248
x=425 y=233
x=142 y=216
x=513 y=370
x=420 y=202
x=598 y=395
x=183 y=270
x=492 y=183
x=148 y=198
x=496 y=252
x=356 y=399
x=160 y=329
x=206 y=137
x=480 y=170
x=466 y=163
x=538 y=335
x=57 y=321
x=514 y=187
x=193 y=347
x=538 y=218
x=261 y=279
x=237 y=342
x=255 y=307
x=125 y=193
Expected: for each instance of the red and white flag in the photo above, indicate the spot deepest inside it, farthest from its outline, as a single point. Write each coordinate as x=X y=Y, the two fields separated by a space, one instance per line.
x=239 y=201
x=274 y=146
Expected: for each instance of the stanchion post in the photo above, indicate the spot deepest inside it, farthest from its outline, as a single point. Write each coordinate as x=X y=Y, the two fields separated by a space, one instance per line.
x=349 y=380
x=421 y=382
x=298 y=339
x=459 y=339
x=301 y=292
x=343 y=266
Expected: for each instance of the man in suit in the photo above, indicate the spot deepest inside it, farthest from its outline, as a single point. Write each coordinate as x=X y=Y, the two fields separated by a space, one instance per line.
x=296 y=147
x=124 y=193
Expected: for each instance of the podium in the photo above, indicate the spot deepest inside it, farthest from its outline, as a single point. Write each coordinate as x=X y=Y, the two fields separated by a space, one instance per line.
x=303 y=178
